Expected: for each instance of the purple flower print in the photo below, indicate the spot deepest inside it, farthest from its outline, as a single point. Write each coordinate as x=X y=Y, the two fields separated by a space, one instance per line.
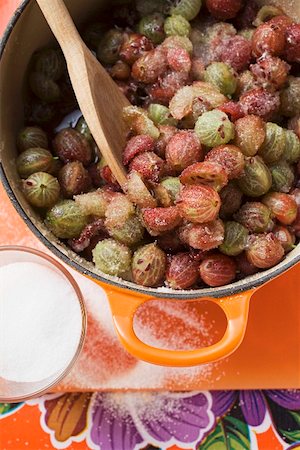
x=180 y=416
x=253 y=406
x=223 y=401
x=112 y=425
x=287 y=399
x=254 y=403
x=121 y=421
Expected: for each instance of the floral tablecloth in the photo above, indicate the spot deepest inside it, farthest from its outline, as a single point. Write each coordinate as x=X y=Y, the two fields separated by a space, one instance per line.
x=202 y=420
x=205 y=420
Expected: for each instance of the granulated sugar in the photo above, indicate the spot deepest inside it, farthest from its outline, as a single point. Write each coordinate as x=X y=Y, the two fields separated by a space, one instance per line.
x=105 y=365
x=40 y=322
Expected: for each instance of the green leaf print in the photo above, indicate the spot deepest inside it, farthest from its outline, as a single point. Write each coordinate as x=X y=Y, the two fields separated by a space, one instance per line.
x=229 y=434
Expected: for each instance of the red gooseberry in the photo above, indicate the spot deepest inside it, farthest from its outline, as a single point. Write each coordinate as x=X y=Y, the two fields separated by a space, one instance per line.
x=283 y=206
x=182 y=271
x=264 y=250
x=217 y=270
x=199 y=204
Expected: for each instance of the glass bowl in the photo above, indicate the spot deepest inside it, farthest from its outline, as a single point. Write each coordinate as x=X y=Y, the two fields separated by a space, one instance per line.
x=10 y=391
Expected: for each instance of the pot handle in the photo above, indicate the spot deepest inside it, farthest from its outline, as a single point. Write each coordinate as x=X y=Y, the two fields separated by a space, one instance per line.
x=235 y=307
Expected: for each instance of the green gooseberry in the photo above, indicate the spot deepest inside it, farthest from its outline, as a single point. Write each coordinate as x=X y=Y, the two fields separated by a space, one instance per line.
x=291 y=151
x=188 y=9
x=34 y=160
x=274 y=143
x=161 y=115
x=41 y=189
x=131 y=232
x=222 y=76
x=282 y=176
x=152 y=27
x=290 y=98
x=66 y=219
x=256 y=179
x=109 y=46
x=214 y=128
x=235 y=239
x=32 y=137
x=177 y=25
x=112 y=257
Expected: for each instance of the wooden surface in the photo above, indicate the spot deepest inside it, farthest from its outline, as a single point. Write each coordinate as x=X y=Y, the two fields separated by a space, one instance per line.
x=99 y=98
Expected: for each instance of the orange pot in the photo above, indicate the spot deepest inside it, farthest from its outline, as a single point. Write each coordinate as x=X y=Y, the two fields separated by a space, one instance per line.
x=26 y=33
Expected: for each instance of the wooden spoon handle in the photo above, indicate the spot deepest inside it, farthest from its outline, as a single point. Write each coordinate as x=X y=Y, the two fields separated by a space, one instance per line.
x=60 y=22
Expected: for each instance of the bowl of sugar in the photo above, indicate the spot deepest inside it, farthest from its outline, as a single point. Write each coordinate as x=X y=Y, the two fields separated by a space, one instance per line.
x=42 y=323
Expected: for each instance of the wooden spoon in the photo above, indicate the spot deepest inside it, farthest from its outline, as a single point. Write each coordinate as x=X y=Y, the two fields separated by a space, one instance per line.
x=99 y=98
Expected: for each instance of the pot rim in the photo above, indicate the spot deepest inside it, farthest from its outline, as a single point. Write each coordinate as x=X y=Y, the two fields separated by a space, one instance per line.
x=245 y=284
